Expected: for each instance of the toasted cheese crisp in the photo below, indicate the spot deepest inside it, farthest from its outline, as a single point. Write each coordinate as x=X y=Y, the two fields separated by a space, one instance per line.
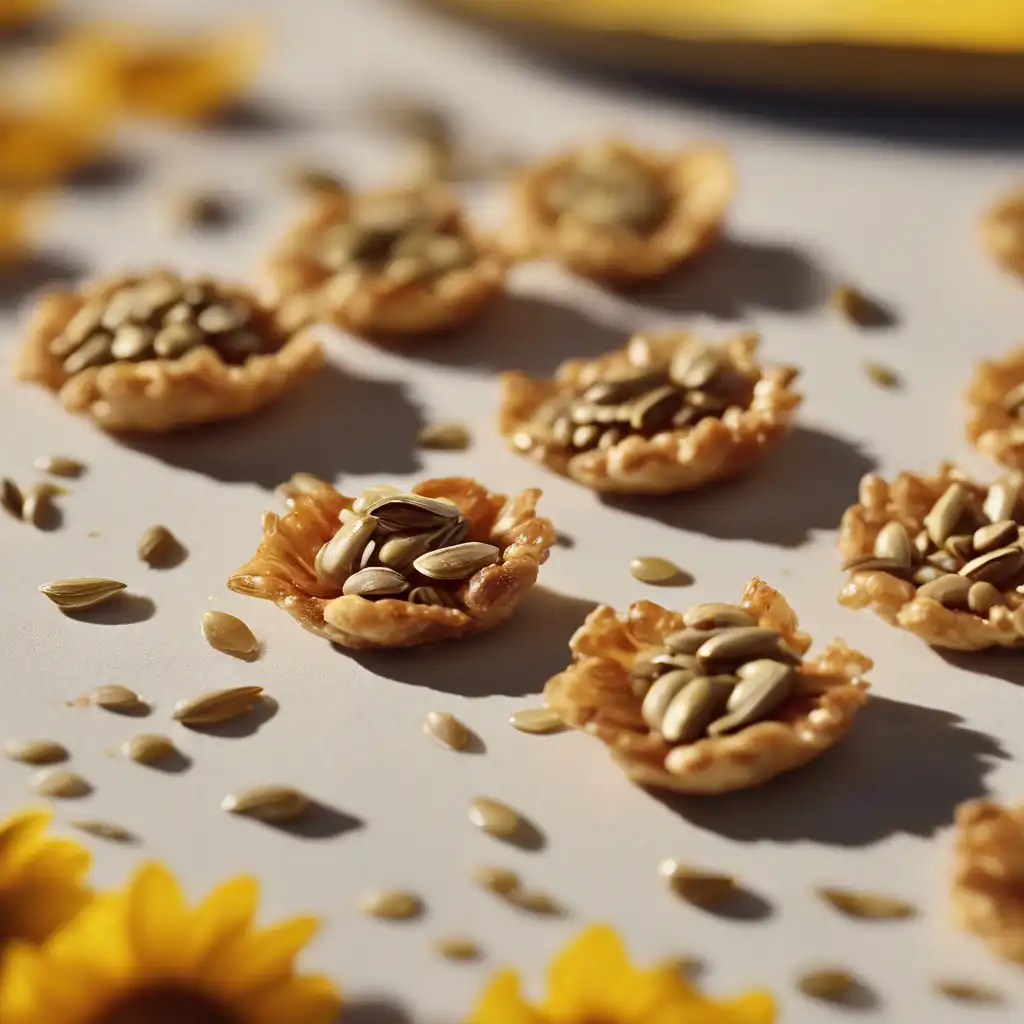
x=1002 y=231
x=995 y=398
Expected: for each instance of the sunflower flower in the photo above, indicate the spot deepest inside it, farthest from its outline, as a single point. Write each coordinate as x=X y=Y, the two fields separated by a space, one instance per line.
x=41 y=879
x=142 y=956
x=592 y=982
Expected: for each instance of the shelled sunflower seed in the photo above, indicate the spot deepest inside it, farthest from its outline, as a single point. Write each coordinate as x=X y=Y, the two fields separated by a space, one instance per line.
x=115 y=697
x=967 y=554
x=720 y=673
x=705 y=888
x=271 y=804
x=458 y=948
x=969 y=992
x=11 y=497
x=148 y=748
x=882 y=375
x=402 y=546
x=81 y=593
x=216 y=706
x=59 y=465
x=830 y=984
x=201 y=210
x=229 y=634
x=444 y=436
x=494 y=817
x=867 y=905
x=104 y=830
x=448 y=730
x=643 y=399
x=59 y=783
x=498 y=880
x=38 y=752
x=158 y=546
x=163 y=316
x=536 y=720
x=860 y=308
x=649 y=569
x=37 y=507
x=391 y=905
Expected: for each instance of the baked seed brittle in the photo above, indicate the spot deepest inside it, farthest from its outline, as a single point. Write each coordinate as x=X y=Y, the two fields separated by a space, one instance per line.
x=156 y=352
x=1002 y=231
x=995 y=397
x=392 y=262
x=378 y=570
x=632 y=686
x=988 y=871
x=939 y=556
x=667 y=412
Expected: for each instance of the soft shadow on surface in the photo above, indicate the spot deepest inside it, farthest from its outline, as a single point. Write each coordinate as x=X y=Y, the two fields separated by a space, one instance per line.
x=242 y=725
x=805 y=484
x=320 y=821
x=42 y=29
x=528 y=333
x=253 y=115
x=107 y=173
x=497 y=662
x=998 y=663
x=902 y=769
x=739 y=276
x=121 y=610
x=33 y=272
x=330 y=424
x=374 y=1010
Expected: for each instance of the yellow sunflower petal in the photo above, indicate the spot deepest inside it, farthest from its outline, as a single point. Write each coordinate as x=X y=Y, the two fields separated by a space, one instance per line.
x=312 y=1000
x=59 y=858
x=35 y=911
x=260 y=959
x=22 y=827
x=753 y=1008
x=19 y=981
x=157 y=920
x=584 y=974
x=502 y=1003
x=225 y=914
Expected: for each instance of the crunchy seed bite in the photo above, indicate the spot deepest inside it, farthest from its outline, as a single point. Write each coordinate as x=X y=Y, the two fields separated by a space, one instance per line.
x=156 y=352
x=396 y=570
x=620 y=214
x=995 y=398
x=391 y=262
x=1002 y=231
x=987 y=873
x=708 y=710
x=939 y=556
x=667 y=412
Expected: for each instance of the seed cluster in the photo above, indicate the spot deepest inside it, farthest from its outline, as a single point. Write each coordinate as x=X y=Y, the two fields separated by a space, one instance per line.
x=719 y=674
x=161 y=317
x=403 y=546
x=968 y=554
x=695 y=383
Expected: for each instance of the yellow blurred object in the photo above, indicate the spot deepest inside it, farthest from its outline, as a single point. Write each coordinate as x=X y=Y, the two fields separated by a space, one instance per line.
x=19 y=12
x=17 y=212
x=185 y=78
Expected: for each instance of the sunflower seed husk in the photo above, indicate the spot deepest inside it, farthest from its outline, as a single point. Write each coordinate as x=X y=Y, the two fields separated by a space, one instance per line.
x=457 y=947
x=941 y=521
x=95 y=352
x=969 y=992
x=983 y=597
x=372 y=495
x=656 y=409
x=391 y=905
x=267 y=803
x=882 y=375
x=444 y=436
x=705 y=888
x=500 y=881
x=961 y=546
x=697 y=705
x=951 y=591
x=375 y=581
x=104 y=830
x=689 y=641
x=867 y=905
x=81 y=592
x=715 y=614
x=828 y=983
x=339 y=557
x=858 y=308
x=458 y=561
x=892 y=542
x=157 y=545
x=872 y=563
x=1002 y=498
x=115 y=697
x=739 y=645
x=412 y=512
x=229 y=634
x=996 y=567
x=59 y=783
x=447 y=730
x=400 y=550
x=148 y=748
x=216 y=705
x=764 y=685
x=928 y=574
x=615 y=390
x=648 y=569
x=38 y=505
x=646 y=669
x=661 y=694
x=536 y=720
x=35 y=751
x=494 y=817
x=11 y=497
x=694 y=366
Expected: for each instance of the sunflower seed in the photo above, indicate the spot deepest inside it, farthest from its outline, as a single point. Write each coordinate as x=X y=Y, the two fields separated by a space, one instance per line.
x=338 y=558
x=457 y=947
x=997 y=566
x=87 y=318
x=694 y=366
x=716 y=614
x=412 y=512
x=969 y=992
x=860 y=309
x=830 y=984
x=267 y=803
x=995 y=535
x=38 y=505
x=95 y=352
x=764 y=686
x=104 y=830
x=983 y=597
x=375 y=582
x=35 y=751
x=705 y=888
x=400 y=550
x=941 y=521
x=1013 y=399
x=648 y=569
x=689 y=641
x=59 y=465
x=229 y=634
x=739 y=645
x=585 y=437
x=494 y=817
x=157 y=546
x=391 y=905
x=928 y=574
x=655 y=410
x=132 y=341
x=534 y=901
x=174 y=340
x=922 y=544
x=316 y=182
x=432 y=595
x=695 y=706
x=500 y=881
x=872 y=563
x=1002 y=497
x=444 y=436
x=115 y=697
x=882 y=375
x=943 y=560
x=892 y=542
x=615 y=390
x=663 y=660
x=216 y=705
x=536 y=720
x=148 y=748
x=458 y=561
x=82 y=592
x=59 y=783
x=11 y=497
x=961 y=546
x=661 y=694
x=866 y=905
x=223 y=318
x=447 y=730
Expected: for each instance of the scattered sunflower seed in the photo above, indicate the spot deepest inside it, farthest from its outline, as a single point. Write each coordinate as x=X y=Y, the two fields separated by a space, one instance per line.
x=536 y=720
x=444 y=436
x=148 y=748
x=534 y=901
x=316 y=182
x=105 y=830
x=447 y=730
x=201 y=210
x=35 y=751
x=494 y=817
x=458 y=947
x=391 y=905
x=860 y=309
x=82 y=592
x=882 y=375
x=271 y=804
x=115 y=697
x=832 y=985
x=647 y=569
x=59 y=465
x=866 y=904
x=38 y=504
x=59 y=783
x=500 y=881
x=216 y=705
x=969 y=992
x=157 y=546
x=229 y=635
x=705 y=888
x=11 y=497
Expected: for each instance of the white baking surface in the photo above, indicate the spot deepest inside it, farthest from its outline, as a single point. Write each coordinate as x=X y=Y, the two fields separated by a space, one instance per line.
x=814 y=207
